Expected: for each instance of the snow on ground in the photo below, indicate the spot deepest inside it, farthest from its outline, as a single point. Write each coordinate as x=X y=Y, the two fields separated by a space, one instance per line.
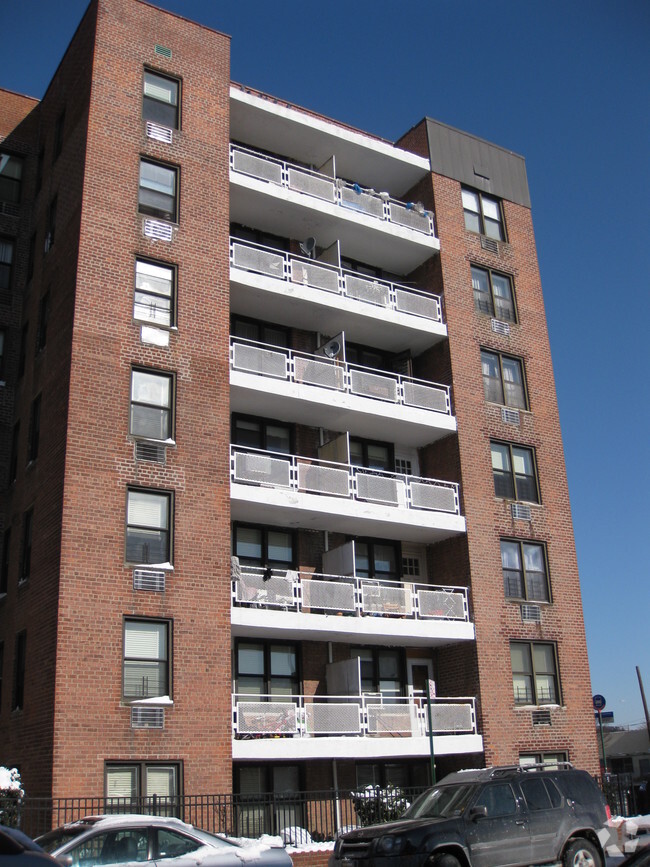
x=627 y=833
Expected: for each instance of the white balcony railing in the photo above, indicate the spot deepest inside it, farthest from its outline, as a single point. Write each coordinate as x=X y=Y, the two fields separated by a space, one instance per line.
x=266 y=360
x=337 y=281
x=368 y=715
x=335 y=191
x=313 y=476
x=314 y=593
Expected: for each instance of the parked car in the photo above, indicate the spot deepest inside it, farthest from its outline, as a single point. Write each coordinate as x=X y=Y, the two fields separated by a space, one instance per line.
x=160 y=840
x=494 y=817
x=19 y=850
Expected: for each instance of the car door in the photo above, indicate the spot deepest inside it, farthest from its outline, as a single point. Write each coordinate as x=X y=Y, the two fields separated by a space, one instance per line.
x=543 y=802
x=500 y=837
x=175 y=849
x=122 y=847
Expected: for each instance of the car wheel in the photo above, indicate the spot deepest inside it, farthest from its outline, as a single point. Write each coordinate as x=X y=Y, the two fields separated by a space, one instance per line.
x=445 y=860
x=582 y=853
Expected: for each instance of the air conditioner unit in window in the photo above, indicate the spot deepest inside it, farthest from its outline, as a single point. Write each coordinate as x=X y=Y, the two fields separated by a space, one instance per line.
x=149 y=579
x=150 y=451
x=520 y=511
x=541 y=718
x=531 y=613
x=147 y=718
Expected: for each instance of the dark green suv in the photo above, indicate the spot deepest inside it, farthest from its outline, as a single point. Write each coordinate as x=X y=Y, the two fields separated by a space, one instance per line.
x=494 y=817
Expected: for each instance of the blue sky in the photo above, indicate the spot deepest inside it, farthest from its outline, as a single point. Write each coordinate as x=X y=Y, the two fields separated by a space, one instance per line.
x=566 y=84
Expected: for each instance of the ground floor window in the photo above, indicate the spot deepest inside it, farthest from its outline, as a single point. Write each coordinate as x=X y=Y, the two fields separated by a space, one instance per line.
x=134 y=782
x=268 y=799
x=403 y=775
x=550 y=759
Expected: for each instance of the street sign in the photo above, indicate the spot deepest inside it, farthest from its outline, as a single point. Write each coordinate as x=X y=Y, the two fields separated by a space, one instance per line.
x=606 y=715
x=599 y=702
x=432 y=689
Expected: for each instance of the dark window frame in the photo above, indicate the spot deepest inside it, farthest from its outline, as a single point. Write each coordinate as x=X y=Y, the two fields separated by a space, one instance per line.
x=540 y=755
x=526 y=594
x=43 y=319
x=59 y=130
x=375 y=662
x=165 y=533
x=5 y=562
x=263 y=331
x=267 y=676
x=22 y=349
x=3 y=352
x=13 y=456
x=485 y=221
x=165 y=662
x=168 y=412
x=141 y=768
x=158 y=212
x=494 y=306
x=373 y=573
x=9 y=183
x=264 y=560
x=7 y=265
x=50 y=234
x=2 y=663
x=156 y=110
x=34 y=428
x=264 y=423
x=506 y=484
x=534 y=691
x=20 y=664
x=26 y=545
x=150 y=293
x=488 y=381
x=365 y=442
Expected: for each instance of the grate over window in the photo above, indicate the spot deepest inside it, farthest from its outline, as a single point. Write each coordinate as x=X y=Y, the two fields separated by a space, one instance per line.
x=509 y=416
x=500 y=327
x=541 y=718
x=149 y=579
x=147 y=718
x=520 y=511
x=531 y=613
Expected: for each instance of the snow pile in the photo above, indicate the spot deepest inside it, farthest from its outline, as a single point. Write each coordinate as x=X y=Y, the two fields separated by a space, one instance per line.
x=10 y=782
x=630 y=832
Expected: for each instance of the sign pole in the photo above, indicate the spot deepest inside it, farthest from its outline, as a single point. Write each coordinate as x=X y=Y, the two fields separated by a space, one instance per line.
x=599 y=705
x=431 y=693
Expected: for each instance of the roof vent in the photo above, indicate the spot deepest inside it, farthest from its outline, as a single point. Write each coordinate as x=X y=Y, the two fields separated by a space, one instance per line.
x=531 y=613
x=541 y=717
x=520 y=511
x=147 y=717
x=162 y=51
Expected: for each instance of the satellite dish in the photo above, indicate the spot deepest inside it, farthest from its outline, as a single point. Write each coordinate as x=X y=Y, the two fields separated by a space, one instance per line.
x=332 y=348
x=308 y=246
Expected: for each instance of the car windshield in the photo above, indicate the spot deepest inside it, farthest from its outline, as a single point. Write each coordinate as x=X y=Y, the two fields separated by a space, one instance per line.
x=60 y=836
x=441 y=801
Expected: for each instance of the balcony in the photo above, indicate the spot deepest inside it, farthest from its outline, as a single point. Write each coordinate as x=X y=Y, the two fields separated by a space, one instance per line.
x=289 y=199
x=292 y=491
x=318 y=391
x=269 y=727
x=270 y=284
x=306 y=605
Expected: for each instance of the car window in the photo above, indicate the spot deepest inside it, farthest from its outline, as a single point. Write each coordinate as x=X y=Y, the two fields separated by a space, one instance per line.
x=537 y=798
x=441 y=801
x=498 y=799
x=578 y=787
x=111 y=847
x=555 y=796
x=171 y=844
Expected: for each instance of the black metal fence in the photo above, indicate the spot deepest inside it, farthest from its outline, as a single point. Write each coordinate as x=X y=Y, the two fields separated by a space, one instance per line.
x=297 y=817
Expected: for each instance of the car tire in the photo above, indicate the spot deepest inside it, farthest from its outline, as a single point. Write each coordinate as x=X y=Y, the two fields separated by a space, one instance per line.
x=582 y=853
x=445 y=860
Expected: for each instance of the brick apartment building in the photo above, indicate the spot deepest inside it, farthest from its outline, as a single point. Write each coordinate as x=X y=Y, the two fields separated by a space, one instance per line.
x=279 y=440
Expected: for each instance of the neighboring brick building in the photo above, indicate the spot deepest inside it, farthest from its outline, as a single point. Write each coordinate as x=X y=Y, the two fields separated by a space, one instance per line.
x=278 y=422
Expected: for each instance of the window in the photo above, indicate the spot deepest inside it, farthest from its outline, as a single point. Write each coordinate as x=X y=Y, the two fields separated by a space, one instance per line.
x=155 y=293
x=4 y=565
x=2 y=354
x=59 y=127
x=503 y=379
x=39 y=169
x=2 y=662
x=525 y=574
x=534 y=673
x=31 y=256
x=404 y=775
x=257 y=816
x=51 y=225
x=483 y=214
x=267 y=669
x=158 y=192
x=498 y=799
x=152 y=400
x=513 y=469
x=264 y=434
x=6 y=263
x=263 y=546
x=148 y=522
x=43 y=317
x=20 y=654
x=13 y=459
x=26 y=550
x=550 y=760
x=260 y=332
x=376 y=559
x=11 y=172
x=382 y=670
x=22 y=351
x=146 y=659
x=493 y=294
x=34 y=429
x=160 y=99
x=372 y=454
x=143 y=779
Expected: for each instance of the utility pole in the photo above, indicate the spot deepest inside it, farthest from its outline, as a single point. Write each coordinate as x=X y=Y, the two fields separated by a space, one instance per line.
x=645 y=703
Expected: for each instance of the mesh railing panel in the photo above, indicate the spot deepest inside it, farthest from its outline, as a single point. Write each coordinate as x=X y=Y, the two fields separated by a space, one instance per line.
x=333 y=718
x=313 y=185
x=441 y=603
x=418 y=305
x=391 y=718
x=452 y=718
x=262 y=469
x=409 y=217
x=329 y=595
x=313 y=275
x=436 y=497
x=324 y=480
x=253 y=588
x=254 y=259
x=323 y=373
x=258 y=167
x=378 y=489
x=372 y=385
x=378 y=599
x=360 y=201
x=425 y=397
x=254 y=359
x=262 y=717
x=367 y=290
